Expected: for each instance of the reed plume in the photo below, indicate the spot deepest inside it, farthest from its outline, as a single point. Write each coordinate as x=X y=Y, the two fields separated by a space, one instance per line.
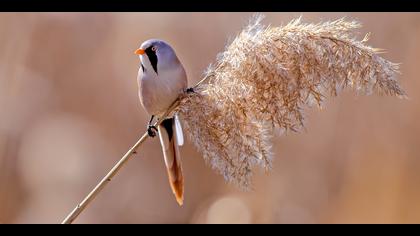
x=266 y=77
x=262 y=81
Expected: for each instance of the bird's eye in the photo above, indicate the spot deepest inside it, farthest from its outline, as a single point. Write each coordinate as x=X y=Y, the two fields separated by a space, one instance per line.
x=154 y=48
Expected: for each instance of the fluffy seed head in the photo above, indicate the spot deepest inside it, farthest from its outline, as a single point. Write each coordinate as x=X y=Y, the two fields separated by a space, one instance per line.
x=265 y=78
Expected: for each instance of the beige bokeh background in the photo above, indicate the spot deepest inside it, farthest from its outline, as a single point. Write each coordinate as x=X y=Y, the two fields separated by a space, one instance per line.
x=69 y=109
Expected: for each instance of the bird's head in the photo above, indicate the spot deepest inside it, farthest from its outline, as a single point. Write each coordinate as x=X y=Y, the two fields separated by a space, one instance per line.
x=156 y=54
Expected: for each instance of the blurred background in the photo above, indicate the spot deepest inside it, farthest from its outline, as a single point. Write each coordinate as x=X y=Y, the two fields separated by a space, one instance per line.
x=69 y=110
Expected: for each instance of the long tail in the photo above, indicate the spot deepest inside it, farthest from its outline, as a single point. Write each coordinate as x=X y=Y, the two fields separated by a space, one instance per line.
x=168 y=139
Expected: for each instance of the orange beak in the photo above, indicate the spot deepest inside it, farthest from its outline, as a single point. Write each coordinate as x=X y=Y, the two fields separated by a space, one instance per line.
x=139 y=51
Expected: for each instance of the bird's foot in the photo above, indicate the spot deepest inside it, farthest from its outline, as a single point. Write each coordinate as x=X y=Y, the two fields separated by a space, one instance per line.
x=151 y=130
x=190 y=90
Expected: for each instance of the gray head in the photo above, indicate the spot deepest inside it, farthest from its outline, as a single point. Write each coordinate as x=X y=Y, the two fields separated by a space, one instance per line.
x=156 y=54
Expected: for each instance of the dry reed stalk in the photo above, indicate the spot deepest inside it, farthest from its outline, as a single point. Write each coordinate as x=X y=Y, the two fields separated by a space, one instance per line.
x=262 y=81
x=108 y=177
x=72 y=216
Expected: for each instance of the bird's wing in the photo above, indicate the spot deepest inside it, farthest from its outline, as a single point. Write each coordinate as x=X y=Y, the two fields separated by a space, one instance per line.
x=168 y=139
x=178 y=131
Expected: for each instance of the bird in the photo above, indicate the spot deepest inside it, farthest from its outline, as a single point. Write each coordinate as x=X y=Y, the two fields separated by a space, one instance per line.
x=161 y=79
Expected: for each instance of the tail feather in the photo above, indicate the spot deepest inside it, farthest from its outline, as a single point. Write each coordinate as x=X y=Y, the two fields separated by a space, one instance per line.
x=169 y=143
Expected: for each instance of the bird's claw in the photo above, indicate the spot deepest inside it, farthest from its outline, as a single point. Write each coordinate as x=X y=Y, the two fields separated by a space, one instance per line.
x=151 y=130
x=190 y=90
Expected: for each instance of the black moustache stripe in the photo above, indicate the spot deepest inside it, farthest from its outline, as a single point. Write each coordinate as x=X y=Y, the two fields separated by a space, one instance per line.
x=152 y=57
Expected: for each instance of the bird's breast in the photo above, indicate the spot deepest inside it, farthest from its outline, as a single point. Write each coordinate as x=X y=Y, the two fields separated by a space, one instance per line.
x=158 y=91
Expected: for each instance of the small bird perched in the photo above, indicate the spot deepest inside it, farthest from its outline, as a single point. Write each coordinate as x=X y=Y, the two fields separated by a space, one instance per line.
x=161 y=79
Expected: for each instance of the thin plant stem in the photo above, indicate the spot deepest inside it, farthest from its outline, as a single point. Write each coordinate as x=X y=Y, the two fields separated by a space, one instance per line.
x=108 y=177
